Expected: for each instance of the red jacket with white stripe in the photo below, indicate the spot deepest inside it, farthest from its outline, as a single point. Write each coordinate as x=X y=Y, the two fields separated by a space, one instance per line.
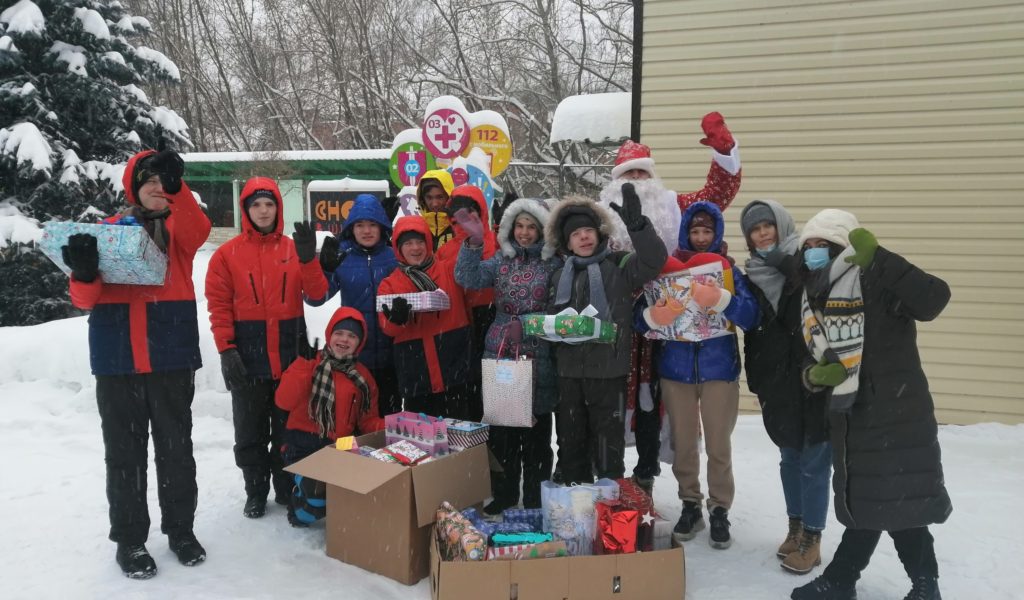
x=254 y=289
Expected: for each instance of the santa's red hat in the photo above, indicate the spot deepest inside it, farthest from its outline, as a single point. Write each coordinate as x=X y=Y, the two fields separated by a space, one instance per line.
x=633 y=155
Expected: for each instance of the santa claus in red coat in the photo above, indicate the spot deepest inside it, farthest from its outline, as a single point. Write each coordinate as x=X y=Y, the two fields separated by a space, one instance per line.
x=662 y=206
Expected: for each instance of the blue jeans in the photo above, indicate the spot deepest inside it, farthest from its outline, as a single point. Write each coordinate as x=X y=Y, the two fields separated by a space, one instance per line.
x=805 y=483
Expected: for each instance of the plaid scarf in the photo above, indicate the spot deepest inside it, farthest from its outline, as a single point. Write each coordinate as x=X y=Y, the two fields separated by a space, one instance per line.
x=322 y=400
x=837 y=331
x=418 y=275
x=154 y=222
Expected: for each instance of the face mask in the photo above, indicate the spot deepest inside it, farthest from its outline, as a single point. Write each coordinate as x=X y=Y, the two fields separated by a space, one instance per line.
x=763 y=252
x=816 y=258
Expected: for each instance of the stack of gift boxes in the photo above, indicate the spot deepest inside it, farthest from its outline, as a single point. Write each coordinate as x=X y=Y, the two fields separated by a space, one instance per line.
x=608 y=517
x=415 y=438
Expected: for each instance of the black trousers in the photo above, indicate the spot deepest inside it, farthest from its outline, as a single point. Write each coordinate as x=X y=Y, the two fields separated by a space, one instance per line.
x=259 y=436
x=389 y=399
x=648 y=436
x=591 y=430
x=456 y=402
x=129 y=405
x=915 y=548
x=521 y=451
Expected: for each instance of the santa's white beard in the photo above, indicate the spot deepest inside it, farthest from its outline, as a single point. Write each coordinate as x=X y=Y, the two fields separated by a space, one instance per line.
x=656 y=203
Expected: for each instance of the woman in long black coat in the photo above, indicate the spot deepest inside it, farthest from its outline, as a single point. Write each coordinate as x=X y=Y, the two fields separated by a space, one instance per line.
x=861 y=305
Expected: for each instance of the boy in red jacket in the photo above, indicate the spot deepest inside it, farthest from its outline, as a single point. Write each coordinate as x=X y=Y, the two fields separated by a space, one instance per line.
x=254 y=289
x=144 y=352
x=328 y=394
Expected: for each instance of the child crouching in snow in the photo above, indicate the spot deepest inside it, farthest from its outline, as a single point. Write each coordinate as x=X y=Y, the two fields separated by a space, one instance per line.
x=328 y=394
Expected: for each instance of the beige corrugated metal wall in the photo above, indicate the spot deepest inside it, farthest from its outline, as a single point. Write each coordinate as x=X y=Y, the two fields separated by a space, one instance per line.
x=909 y=113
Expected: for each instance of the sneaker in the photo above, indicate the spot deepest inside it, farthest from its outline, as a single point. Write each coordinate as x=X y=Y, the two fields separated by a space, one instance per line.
x=135 y=561
x=823 y=588
x=806 y=556
x=691 y=520
x=720 y=538
x=255 y=507
x=188 y=550
x=644 y=483
x=925 y=588
x=792 y=540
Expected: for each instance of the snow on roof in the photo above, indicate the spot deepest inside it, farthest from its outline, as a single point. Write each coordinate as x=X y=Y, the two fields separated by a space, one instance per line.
x=24 y=17
x=593 y=118
x=348 y=184
x=382 y=154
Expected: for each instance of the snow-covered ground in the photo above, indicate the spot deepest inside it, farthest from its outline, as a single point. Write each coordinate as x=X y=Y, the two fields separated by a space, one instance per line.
x=54 y=524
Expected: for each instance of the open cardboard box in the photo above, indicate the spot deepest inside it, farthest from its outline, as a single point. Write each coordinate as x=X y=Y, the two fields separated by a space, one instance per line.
x=656 y=575
x=379 y=514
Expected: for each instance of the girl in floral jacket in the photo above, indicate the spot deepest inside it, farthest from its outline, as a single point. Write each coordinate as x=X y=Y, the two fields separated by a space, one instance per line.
x=519 y=274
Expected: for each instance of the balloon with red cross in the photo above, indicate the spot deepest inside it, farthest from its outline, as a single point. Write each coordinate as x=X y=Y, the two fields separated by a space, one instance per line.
x=445 y=128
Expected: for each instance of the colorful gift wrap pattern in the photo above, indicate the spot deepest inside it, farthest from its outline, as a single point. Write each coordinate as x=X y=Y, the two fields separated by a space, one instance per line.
x=127 y=254
x=696 y=323
x=457 y=539
x=534 y=517
x=551 y=549
x=427 y=433
x=617 y=528
x=406 y=453
x=633 y=497
x=418 y=301
x=569 y=512
x=570 y=327
x=523 y=537
x=466 y=434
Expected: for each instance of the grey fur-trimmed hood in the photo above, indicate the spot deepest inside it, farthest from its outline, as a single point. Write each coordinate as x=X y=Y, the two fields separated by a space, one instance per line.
x=535 y=208
x=553 y=229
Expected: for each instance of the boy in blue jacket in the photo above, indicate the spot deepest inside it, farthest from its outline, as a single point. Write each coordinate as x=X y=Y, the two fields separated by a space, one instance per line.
x=699 y=380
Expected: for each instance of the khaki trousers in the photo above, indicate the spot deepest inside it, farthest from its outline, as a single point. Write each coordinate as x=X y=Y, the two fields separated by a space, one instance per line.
x=715 y=404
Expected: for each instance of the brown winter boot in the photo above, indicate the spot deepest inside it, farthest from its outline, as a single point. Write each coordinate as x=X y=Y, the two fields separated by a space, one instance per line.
x=792 y=538
x=807 y=555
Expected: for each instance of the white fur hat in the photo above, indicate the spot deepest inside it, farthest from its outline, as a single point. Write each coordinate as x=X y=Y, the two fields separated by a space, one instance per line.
x=831 y=224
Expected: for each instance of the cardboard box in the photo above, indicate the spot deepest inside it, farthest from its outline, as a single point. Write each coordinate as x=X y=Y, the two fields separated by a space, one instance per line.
x=379 y=515
x=653 y=575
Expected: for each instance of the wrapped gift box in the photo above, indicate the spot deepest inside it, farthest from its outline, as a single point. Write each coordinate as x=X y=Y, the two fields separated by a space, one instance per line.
x=534 y=517
x=466 y=434
x=633 y=497
x=617 y=528
x=127 y=253
x=457 y=538
x=570 y=327
x=418 y=301
x=427 y=433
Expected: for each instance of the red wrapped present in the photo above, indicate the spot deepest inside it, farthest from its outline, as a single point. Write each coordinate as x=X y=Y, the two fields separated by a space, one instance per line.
x=617 y=528
x=635 y=498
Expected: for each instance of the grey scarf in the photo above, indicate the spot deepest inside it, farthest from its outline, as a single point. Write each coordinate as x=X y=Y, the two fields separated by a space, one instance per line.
x=594 y=280
x=768 y=278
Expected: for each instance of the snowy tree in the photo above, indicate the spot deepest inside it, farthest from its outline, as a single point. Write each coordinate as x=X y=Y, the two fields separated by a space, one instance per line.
x=71 y=113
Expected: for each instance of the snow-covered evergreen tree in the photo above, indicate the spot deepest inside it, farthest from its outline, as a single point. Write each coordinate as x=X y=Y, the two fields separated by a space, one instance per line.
x=71 y=114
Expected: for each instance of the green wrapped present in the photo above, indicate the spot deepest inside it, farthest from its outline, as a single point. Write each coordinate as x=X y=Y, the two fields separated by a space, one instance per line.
x=570 y=327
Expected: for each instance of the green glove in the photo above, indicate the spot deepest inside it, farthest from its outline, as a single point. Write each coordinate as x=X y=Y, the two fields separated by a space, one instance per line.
x=865 y=244
x=825 y=373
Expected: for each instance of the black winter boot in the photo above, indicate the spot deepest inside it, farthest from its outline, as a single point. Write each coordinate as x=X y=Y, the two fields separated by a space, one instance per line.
x=925 y=588
x=187 y=548
x=691 y=520
x=135 y=561
x=255 y=507
x=824 y=588
x=720 y=538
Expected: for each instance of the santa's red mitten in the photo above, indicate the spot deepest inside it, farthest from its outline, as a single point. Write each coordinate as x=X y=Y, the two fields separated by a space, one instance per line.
x=717 y=135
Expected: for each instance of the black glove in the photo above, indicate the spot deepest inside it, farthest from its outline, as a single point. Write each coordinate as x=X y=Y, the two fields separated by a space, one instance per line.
x=630 y=214
x=303 y=349
x=233 y=370
x=391 y=205
x=399 y=312
x=82 y=257
x=169 y=166
x=329 y=257
x=497 y=210
x=305 y=241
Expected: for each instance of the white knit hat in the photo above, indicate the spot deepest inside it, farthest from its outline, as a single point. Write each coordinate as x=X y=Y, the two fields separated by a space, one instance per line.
x=831 y=224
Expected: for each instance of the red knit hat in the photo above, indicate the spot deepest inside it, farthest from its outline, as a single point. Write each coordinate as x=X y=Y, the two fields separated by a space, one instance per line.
x=633 y=155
